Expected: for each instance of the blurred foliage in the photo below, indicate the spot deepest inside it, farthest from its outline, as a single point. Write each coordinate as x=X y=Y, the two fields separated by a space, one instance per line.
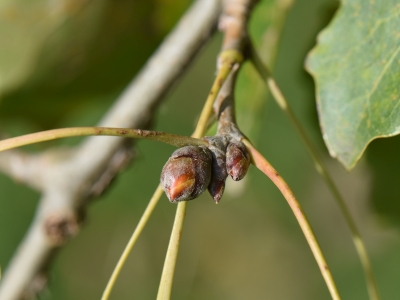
x=78 y=52
x=356 y=68
x=247 y=247
x=384 y=159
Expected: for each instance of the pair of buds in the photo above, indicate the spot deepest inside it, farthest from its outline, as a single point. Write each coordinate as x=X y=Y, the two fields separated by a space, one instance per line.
x=192 y=169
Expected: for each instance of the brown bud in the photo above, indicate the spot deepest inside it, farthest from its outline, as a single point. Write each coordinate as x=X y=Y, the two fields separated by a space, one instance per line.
x=218 y=175
x=237 y=160
x=187 y=173
x=216 y=189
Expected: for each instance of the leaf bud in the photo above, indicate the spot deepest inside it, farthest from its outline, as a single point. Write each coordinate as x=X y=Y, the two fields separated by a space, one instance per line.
x=187 y=173
x=216 y=189
x=218 y=174
x=237 y=160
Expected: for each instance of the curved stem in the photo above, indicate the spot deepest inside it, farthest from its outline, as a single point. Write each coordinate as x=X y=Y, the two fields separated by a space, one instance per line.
x=264 y=166
x=322 y=170
x=42 y=136
x=138 y=230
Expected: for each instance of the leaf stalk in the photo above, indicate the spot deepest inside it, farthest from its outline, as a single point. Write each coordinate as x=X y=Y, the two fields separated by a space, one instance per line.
x=264 y=166
x=321 y=169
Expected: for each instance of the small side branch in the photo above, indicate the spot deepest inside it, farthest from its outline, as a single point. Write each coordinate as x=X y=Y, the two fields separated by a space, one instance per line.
x=171 y=139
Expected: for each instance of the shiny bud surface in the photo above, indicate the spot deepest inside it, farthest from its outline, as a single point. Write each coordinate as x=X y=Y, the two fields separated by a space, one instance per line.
x=187 y=173
x=237 y=160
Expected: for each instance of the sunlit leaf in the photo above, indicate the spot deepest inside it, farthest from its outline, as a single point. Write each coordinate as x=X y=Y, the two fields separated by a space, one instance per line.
x=356 y=67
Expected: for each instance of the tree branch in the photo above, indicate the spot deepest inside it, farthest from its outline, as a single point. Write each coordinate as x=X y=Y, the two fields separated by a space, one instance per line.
x=24 y=168
x=68 y=183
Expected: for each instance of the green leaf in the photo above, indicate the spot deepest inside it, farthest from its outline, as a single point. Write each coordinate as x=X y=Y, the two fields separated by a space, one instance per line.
x=356 y=67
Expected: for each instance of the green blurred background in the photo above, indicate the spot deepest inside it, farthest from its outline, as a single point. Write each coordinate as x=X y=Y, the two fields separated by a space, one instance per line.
x=64 y=65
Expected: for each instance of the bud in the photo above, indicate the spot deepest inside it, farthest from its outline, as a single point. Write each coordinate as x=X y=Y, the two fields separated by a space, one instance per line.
x=216 y=189
x=187 y=173
x=237 y=160
x=218 y=175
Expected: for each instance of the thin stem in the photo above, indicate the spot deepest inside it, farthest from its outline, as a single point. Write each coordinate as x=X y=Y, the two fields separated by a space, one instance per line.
x=173 y=247
x=322 y=170
x=138 y=230
x=42 y=136
x=228 y=59
x=167 y=277
x=264 y=166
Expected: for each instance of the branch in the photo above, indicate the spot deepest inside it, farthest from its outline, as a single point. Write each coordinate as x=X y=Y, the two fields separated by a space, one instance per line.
x=25 y=168
x=69 y=182
x=48 y=135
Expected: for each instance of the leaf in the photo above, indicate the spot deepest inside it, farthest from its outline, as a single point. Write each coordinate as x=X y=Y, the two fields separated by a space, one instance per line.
x=356 y=67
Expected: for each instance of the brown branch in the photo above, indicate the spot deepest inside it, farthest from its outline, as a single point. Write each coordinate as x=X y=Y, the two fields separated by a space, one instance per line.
x=70 y=181
x=233 y=23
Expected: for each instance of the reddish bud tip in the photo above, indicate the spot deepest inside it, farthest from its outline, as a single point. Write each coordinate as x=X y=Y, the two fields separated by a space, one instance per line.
x=216 y=190
x=218 y=175
x=187 y=173
x=237 y=160
x=182 y=185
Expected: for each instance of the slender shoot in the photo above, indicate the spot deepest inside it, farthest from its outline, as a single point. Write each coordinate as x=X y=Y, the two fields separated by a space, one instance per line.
x=264 y=166
x=42 y=136
x=167 y=277
x=138 y=230
x=228 y=59
x=322 y=170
